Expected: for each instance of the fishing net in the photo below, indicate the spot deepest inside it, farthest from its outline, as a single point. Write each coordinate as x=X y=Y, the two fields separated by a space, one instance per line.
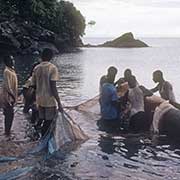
x=65 y=131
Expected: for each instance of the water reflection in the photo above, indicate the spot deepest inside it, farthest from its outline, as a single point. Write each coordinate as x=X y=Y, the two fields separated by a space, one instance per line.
x=71 y=68
x=127 y=146
x=151 y=155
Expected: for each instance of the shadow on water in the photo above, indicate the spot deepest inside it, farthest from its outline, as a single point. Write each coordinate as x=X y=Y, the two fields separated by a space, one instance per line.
x=149 y=154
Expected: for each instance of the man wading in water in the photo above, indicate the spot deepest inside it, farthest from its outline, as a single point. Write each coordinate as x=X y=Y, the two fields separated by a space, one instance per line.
x=109 y=102
x=44 y=80
x=164 y=87
x=9 y=92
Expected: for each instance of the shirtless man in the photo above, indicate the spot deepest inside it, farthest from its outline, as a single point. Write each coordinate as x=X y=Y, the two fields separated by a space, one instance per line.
x=164 y=87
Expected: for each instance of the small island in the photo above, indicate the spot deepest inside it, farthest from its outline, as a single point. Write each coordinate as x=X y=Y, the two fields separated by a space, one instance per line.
x=127 y=40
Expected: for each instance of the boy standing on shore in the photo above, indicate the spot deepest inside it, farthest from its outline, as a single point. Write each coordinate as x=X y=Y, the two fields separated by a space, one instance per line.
x=9 y=92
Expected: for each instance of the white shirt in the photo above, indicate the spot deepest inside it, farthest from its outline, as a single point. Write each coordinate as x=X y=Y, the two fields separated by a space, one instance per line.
x=42 y=75
x=136 y=99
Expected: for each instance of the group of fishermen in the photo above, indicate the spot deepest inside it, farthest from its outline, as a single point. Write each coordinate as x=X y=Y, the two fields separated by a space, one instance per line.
x=122 y=102
x=127 y=103
x=40 y=92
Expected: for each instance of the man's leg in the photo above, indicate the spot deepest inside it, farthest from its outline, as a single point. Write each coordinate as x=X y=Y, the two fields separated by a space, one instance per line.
x=9 y=116
x=34 y=117
x=46 y=127
x=50 y=113
x=137 y=122
x=41 y=117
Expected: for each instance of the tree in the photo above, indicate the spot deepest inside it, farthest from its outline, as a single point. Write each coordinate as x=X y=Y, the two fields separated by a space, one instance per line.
x=60 y=17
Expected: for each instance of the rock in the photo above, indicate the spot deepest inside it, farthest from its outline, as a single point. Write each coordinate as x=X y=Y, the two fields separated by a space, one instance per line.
x=89 y=45
x=125 y=41
x=25 y=37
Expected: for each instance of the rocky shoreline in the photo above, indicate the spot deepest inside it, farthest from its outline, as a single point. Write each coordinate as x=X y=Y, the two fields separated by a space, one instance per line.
x=25 y=37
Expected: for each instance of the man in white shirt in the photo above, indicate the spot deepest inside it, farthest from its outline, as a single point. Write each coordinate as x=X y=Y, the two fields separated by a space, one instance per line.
x=136 y=95
x=44 y=79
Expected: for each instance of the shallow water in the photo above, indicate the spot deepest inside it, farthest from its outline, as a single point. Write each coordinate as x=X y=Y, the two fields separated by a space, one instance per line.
x=109 y=156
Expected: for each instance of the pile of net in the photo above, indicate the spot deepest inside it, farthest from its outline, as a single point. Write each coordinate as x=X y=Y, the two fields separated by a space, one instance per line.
x=63 y=131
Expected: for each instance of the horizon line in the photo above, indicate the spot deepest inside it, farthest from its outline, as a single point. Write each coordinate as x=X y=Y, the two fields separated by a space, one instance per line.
x=135 y=36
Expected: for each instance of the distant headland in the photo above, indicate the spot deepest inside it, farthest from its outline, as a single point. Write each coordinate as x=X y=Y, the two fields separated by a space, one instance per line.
x=127 y=40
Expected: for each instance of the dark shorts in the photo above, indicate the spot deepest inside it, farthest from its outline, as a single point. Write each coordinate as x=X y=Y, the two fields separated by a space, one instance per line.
x=138 y=122
x=47 y=113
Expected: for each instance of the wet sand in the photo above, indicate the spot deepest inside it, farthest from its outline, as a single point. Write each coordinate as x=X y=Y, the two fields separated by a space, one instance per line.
x=17 y=163
x=13 y=149
x=16 y=143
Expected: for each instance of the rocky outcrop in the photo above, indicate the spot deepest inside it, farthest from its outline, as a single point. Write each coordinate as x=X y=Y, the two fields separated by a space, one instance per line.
x=25 y=37
x=125 y=41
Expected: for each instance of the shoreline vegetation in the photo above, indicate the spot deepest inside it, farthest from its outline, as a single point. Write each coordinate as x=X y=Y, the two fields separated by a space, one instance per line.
x=31 y=25
x=127 y=40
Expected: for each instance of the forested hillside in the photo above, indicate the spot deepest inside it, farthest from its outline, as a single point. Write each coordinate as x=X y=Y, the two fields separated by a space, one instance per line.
x=29 y=25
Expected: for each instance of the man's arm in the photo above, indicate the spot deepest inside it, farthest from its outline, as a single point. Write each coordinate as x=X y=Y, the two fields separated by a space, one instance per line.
x=56 y=95
x=33 y=81
x=155 y=89
x=145 y=91
x=114 y=97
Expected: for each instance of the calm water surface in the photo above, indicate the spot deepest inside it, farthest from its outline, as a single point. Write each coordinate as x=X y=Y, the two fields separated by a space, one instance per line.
x=107 y=156
x=80 y=72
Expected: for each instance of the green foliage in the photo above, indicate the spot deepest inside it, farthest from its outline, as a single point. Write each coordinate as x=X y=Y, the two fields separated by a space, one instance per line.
x=60 y=17
x=70 y=24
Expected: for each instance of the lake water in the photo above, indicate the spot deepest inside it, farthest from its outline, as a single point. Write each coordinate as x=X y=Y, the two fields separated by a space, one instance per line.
x=106 y=156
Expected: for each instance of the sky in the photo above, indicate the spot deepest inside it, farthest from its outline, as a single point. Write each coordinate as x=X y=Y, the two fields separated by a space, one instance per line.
x=145 y=18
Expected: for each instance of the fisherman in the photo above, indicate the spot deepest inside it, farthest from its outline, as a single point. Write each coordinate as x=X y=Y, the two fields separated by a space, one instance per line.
x=127 y=75
x=136 y=95
x=112 y=71
x=44 y=80
x=9 y=92
x=30 y=96
x=28 y=91
x=164 y=87
x=109 y=101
